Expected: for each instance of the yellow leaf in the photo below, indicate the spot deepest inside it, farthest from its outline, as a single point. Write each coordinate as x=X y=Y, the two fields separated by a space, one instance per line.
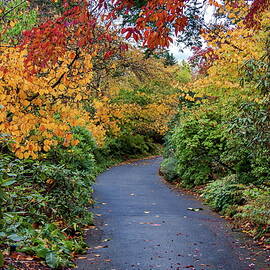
x=12 y=23
x=78 y=97
x=62 y=87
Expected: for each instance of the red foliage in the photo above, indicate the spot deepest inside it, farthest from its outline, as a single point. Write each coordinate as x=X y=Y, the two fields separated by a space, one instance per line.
x=157 y=19
x=256 y=8
x=202 y=58
x=76 y=29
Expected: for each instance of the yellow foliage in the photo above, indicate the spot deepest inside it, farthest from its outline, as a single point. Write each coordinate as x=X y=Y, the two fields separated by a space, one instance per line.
x=38 y=111
x=242 y=44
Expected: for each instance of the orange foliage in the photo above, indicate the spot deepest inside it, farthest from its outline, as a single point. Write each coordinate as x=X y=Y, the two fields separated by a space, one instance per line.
x=38 y=111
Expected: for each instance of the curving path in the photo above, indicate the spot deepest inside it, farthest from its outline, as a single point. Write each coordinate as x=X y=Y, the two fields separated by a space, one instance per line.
x=142 y=224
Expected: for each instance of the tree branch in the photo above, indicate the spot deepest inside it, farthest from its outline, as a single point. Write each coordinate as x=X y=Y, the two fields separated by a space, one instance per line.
x=69 y=66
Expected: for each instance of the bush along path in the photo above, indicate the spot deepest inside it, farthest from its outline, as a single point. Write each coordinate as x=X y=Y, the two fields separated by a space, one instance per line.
x=140 y=223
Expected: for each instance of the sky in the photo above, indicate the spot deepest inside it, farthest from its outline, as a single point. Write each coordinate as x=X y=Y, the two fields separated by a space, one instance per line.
x=186 y=53
x=178 y=53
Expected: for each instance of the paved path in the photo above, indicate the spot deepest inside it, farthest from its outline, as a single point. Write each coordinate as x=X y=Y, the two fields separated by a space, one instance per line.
x=142 y=224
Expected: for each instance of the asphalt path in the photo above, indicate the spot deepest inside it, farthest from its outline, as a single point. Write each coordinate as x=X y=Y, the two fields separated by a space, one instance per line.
x=143 y=224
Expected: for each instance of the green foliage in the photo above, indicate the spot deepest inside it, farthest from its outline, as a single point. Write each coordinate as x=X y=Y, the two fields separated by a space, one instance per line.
x=198 y=142
x=184 y=73
x=223 y=194
x=168 y=169
x=139 y=96
x=209 y=141
x=45 y=201
x=256 y=210
x=20 y=17
x=129 y=146
x=78 y=158
x=246 y=204
x=258 y=71
x=169 y=59
x=248 y=149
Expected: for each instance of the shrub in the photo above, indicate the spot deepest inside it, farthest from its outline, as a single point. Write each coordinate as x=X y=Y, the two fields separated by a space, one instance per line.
x=257 y=208
x=248 y=150
x=198 y=140
x=130 y=145
x=225 y=195
x=168 y=169
x=79 y=157
x=45 y=201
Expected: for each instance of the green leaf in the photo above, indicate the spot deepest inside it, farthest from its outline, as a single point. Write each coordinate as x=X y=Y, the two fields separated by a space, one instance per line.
x=51 y=260
x=42 y=252
x=15 y=237
x=8 y=183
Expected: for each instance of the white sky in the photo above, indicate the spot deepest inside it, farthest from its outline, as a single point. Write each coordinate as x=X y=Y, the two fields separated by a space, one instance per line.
x=178 y=53
x=186 y=53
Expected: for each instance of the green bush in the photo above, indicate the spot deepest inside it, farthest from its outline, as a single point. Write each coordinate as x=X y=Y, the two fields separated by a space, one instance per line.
x=168 y=169
x=198 y=142
x=45 y=201
x=80 y=158
x=257 y=208
x=248 y=151
x=129 y=145
x=225 y=195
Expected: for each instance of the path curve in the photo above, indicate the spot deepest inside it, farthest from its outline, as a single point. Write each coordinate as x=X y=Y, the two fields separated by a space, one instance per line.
x=142 y=224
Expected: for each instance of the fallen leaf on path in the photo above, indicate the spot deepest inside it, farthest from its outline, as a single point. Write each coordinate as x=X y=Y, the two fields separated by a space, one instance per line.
x=99 y=247
x=106 y=240
x=195 y=209
x=97 y=255
x=146 y=212
x=82 y=258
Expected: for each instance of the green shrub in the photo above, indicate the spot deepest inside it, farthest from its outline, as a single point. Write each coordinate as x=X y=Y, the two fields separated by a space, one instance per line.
x=45 y=201
x=257 y=208
x=168 y=169
x=198 y=142
x=77 y=158
x=129 y=145
x=225 y=195
x=248 y=151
